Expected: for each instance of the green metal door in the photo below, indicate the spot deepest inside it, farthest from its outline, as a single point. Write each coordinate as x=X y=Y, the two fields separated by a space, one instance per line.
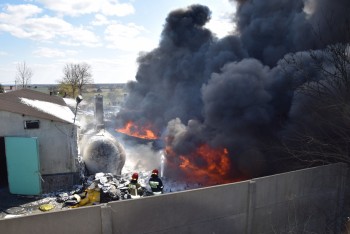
x=23 y=167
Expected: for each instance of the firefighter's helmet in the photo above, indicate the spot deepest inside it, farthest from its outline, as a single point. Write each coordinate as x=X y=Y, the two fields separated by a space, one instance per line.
x=135 y=176
x=155 y=171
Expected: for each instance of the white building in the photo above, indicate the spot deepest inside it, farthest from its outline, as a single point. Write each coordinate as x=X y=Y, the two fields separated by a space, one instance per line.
x=30 y=119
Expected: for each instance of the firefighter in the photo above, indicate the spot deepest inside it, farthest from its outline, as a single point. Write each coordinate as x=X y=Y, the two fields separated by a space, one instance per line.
x=155 y=183
x=134 y=187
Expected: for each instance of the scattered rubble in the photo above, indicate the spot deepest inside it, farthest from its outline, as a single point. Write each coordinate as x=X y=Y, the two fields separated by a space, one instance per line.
x=98 y=188
x=108 y=187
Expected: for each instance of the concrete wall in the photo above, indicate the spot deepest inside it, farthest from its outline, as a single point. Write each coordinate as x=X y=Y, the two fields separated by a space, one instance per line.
x=306 y=201
x=219 y=209
x=58 y=148
x=83 y=220
x=59 y=182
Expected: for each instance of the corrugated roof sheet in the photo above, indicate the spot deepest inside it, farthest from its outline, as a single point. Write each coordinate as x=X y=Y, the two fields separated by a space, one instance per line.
x=12 y=102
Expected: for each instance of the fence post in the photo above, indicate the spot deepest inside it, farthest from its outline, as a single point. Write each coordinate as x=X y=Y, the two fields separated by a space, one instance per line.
x=251 y=207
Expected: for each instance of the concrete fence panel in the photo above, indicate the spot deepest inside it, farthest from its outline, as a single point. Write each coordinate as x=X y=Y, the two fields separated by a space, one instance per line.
x=221 y=208
x=81 y=220
x=298 y=202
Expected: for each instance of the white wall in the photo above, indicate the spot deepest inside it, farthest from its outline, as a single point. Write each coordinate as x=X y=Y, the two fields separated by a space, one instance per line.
x=57 y=147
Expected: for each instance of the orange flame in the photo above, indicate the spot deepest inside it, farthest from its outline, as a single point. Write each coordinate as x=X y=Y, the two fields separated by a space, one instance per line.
x=206 y=165
x=134 y=130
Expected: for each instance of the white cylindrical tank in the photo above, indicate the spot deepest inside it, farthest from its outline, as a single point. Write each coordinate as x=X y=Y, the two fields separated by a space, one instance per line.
x=102 y=153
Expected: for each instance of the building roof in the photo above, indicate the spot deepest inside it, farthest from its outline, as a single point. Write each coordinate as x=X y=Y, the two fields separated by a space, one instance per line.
x=36 y=104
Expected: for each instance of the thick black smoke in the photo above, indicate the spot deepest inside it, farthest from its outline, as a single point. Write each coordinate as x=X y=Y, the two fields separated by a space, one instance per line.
x=270 y=29
x=230 y=92
x=170 y=78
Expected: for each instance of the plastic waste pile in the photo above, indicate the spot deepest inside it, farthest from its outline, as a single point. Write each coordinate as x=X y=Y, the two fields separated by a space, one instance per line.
x=96 y=189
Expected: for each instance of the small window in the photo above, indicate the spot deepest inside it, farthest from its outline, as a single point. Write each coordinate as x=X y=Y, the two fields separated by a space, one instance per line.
x=31 y=124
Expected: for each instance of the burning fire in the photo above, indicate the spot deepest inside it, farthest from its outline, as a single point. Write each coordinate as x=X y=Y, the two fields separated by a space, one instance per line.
x=206 y=165
x=134 y=130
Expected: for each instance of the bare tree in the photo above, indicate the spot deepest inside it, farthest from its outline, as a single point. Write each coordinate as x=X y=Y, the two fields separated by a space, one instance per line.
x=75 y=77
x=24 y=74
x=322 y=134
x=84 y=71
x=324 y=73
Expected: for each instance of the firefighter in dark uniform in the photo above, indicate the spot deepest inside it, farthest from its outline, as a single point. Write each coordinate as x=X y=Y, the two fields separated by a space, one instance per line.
x=155 y=183
x=134 y=188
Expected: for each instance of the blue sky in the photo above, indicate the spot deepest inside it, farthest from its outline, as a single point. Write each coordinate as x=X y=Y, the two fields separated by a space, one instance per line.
x=107 y=34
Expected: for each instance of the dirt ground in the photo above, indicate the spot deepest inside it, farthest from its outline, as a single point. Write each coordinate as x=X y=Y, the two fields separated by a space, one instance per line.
x=18 y=205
